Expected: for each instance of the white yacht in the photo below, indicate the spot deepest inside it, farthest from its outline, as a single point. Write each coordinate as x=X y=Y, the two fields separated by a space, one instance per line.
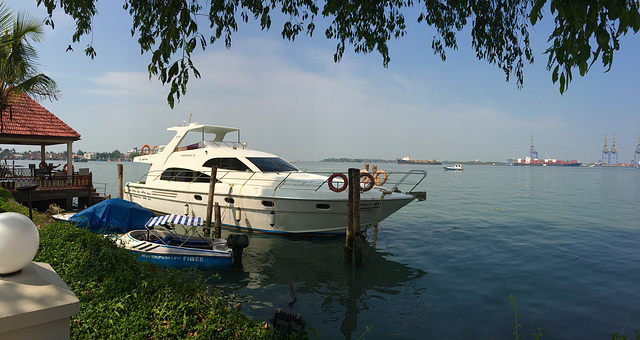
x=257 y=191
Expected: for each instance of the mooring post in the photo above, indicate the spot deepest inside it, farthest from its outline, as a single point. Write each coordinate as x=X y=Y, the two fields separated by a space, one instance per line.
x=120 y=180
x=348 y=247
x=357 y=246
x=352 y=244
x=212 y=187
x=218 y=221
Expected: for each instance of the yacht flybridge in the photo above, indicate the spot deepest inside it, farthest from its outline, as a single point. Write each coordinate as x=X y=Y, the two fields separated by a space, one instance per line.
x=256 y=191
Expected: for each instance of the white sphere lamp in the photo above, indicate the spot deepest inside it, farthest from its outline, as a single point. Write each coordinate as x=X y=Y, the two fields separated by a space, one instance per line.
x=19 y=241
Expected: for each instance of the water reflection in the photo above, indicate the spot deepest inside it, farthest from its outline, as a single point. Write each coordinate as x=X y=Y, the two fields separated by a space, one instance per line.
x=330 y=295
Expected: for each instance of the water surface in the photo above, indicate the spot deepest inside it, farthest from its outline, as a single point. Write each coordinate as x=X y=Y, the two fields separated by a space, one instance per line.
x=563 y=241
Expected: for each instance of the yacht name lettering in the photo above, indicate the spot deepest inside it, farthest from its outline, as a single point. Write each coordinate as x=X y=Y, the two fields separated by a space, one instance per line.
x=369 y=206
x=175 y=258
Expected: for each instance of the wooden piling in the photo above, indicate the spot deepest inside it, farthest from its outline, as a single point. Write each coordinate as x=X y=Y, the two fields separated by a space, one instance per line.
x=120 y=181
x=217 y=227
x=212 y=187
x=357 y=246
x=353 y=245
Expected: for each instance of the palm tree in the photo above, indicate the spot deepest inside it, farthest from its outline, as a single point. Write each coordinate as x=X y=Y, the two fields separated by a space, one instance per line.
x=18 y=72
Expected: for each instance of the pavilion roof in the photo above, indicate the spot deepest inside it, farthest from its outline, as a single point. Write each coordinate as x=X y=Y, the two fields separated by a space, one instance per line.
x=27 y=122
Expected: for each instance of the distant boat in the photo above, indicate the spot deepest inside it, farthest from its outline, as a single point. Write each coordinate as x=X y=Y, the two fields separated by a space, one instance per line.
x=528 y=161
x=407 y=160
x=456 y=167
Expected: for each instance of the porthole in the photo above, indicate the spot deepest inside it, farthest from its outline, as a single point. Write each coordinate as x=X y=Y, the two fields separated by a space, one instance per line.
x=323 y=206
x=229 y=200
x=197 y=197
x=267 y=204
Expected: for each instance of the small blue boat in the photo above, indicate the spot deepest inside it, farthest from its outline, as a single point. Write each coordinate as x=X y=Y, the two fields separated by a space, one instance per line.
x=187 y=247
x=456 y=167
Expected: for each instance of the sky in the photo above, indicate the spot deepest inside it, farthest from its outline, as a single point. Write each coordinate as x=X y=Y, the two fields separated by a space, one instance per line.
x=291 y=99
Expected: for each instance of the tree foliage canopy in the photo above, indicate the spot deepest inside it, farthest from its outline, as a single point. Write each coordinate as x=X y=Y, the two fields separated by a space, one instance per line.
x=18 y=71
x=171 y=30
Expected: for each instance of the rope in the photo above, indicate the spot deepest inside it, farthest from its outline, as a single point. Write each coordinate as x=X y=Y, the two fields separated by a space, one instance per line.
x=377 y=220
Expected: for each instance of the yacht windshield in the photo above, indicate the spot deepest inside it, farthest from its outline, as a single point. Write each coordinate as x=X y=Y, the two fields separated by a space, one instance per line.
x=272 y=164
x=226 y=163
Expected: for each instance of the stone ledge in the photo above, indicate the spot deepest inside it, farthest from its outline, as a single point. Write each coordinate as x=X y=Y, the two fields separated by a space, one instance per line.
x=36 y=301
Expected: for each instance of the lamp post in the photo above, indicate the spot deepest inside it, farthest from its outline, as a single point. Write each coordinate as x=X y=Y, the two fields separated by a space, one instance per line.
x=19 y=242
x=28 y=189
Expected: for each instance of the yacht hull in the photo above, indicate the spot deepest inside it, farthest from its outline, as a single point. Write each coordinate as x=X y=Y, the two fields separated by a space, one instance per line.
x=272 y=214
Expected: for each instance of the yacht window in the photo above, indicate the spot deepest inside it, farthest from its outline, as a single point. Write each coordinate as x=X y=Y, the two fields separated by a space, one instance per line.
x=184 y=175
x=226 y=163
x=272 y=164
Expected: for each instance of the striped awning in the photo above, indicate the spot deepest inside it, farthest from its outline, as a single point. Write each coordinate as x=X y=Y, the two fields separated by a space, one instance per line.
x=174 y=219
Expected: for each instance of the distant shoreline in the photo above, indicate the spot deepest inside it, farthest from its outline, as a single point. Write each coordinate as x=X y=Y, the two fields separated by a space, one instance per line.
x=371 y=160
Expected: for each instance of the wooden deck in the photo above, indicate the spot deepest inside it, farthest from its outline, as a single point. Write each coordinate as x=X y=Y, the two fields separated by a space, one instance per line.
x=51 y=187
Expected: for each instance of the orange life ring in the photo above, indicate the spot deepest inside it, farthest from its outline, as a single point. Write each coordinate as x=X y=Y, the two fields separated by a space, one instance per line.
x=42 y=165
x=154 y=149
x=64 y=169
x=364 y=179
x=368 y=181
x=148 y=149
x=380 y=181
x=345 y=182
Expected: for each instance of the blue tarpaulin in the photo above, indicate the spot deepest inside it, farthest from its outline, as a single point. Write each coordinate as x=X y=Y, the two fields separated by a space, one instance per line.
x=113 y=216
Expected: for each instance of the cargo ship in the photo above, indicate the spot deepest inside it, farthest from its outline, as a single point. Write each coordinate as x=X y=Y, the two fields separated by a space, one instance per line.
x=528 y=161
x=408 y=160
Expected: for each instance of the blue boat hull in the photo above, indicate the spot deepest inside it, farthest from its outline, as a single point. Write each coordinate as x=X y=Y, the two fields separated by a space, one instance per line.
x=166 y=250
x=186 y=261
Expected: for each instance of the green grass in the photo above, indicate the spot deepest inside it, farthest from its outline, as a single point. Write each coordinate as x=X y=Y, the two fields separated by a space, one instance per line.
x=121 y=298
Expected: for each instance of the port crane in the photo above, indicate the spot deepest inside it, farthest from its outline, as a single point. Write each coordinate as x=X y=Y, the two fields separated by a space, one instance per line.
x=533 y=153
x=613 y=151
x=637 y=152
x=605 y=152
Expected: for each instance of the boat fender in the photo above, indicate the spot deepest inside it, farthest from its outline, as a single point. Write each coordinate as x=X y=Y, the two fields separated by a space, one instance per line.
x=368 y=181
x=238 y=215
x=342 y=176
x=272 y=218
x=42 y=165
x=186 y=209
x=380 y=181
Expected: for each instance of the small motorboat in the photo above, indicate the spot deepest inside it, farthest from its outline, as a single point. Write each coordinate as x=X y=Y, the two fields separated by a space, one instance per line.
x=455 y=167
x=179 y=242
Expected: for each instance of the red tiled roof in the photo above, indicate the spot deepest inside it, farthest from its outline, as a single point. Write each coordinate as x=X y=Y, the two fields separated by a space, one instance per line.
x=27 y=118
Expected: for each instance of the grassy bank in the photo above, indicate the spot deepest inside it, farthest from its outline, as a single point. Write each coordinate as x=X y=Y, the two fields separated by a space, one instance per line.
x=121 y=298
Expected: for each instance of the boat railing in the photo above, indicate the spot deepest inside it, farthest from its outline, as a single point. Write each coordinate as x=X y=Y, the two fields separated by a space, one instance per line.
x=395 y=181
x=412 y=178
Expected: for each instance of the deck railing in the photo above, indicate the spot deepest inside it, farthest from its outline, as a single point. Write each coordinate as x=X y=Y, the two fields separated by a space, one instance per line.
x=47 y=182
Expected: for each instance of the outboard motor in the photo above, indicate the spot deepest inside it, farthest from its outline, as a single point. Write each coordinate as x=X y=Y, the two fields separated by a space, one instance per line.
x=237 y=242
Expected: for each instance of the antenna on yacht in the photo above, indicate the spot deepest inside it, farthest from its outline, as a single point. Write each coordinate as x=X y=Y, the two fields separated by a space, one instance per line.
x=189 y=117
